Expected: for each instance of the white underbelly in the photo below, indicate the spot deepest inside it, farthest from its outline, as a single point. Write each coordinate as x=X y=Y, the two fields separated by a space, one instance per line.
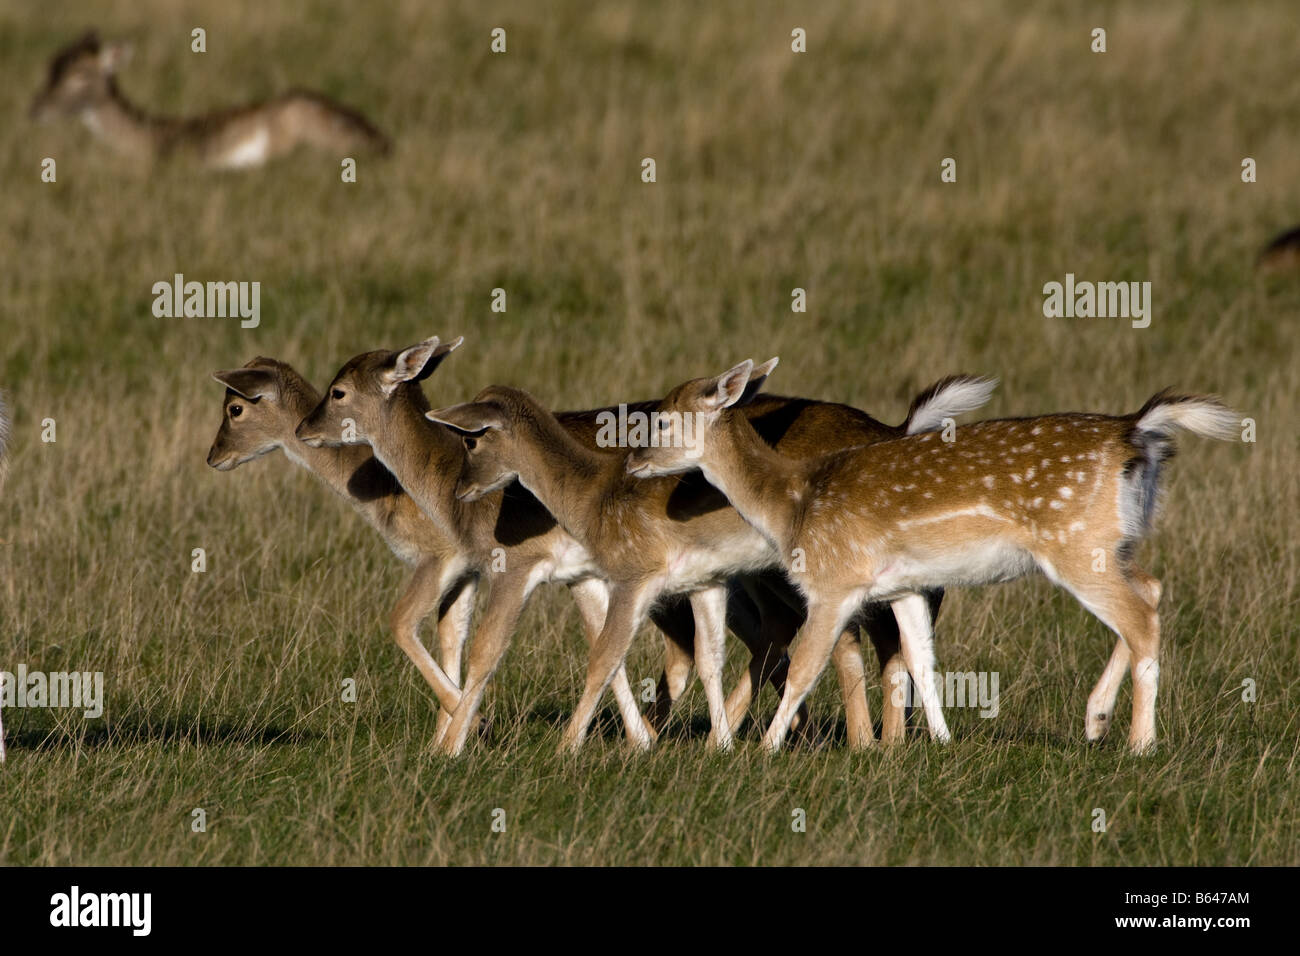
x=694 y=568
x=982 y=562
x=569 y=561
x=252 y=150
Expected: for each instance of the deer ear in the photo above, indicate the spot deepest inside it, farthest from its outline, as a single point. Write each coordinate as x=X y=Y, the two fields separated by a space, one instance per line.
x=468 y=417
x=417 y=363
x=250 y=383
x=442 y=350
x=729 y=387
x=756 y=380
x=114 y=56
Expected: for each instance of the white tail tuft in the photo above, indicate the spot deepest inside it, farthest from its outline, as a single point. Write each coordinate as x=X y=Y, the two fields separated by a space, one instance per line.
x=948 y=398
x=1199 y=414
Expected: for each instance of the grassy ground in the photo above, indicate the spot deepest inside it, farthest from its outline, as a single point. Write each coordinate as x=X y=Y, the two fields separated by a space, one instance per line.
x=521 y=171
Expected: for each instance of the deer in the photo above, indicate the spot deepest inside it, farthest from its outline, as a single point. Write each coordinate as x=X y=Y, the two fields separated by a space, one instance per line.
x=82 y=83
x=265 y=400
x=376 y=398
x=263 y=404
x=1282 y=254
x=510 y=539
x=646 y=543
x=1071 y=495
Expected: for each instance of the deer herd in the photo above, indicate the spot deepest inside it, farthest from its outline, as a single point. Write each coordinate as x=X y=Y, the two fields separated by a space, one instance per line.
x=798 y=525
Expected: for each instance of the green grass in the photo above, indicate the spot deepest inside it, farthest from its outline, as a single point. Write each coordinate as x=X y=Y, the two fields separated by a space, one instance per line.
x=522 y=171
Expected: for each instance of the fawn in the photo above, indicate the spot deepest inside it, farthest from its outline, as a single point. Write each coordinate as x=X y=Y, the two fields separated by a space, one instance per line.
x=83 y=83
x=264 y=402
x=658 y=537
x=376 y=399
x=1070 y=494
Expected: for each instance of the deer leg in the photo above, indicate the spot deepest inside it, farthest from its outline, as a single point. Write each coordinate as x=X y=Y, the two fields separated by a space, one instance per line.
x=881 y=625
x=455 y=614
x=627 y=608
x=913 y=615
x=506 y=599
x=710 y=607
x=781 y=614
x=748 y=622
x=417 y=602
x=1101 y=702
x=816 y=643
x=1122 y=599
x=674 y=618
x=592 y=597
x=853 y=678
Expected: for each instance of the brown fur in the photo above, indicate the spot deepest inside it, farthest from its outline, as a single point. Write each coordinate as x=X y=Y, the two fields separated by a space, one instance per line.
x=635 y=527
x=885 y=520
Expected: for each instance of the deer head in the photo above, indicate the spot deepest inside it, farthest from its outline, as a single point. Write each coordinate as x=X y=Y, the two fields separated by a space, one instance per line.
x=363 y=397
x=686 y=420
x=81 y=77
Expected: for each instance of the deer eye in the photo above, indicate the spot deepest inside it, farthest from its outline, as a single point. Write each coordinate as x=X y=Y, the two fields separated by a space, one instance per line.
x=664 y=422
x=471 y=444
x=236 y=411
x=337 y=394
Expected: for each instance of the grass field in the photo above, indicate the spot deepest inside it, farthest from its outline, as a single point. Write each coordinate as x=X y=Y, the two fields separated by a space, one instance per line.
x=522 y=171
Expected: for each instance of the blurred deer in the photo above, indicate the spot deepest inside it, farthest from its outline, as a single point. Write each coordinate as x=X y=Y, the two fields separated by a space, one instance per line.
x=83 y=83
x=1282 y=254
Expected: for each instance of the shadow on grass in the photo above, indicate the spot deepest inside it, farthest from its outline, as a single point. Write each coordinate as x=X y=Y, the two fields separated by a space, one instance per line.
x=132 y=731
x=608 y=725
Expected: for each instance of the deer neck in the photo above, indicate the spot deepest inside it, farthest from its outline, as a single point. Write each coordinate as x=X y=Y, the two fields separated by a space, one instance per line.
x=125 y=128
x=350 y=470
x=763 y=485
x=570 y=480
x=425 y=458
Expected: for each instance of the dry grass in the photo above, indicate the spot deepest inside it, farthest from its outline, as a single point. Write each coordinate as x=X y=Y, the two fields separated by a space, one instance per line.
x=522 y=171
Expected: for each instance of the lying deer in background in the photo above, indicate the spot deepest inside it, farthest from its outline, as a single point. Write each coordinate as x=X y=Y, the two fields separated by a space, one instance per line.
x=83 y=83
x=1071 y=495
x=1282 y=254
